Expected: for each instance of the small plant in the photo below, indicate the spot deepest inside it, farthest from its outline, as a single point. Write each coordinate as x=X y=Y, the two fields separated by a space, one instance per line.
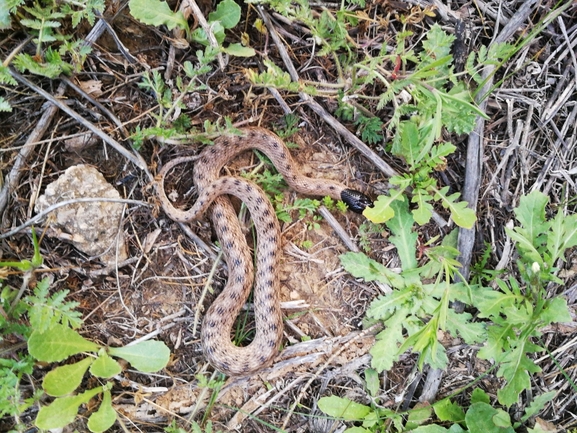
x=480 y=416
x=511 y=316
x=225 y=16
x=47 y=322
x=58 y=343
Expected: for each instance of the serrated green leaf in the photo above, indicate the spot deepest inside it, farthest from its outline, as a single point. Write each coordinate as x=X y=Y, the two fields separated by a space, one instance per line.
x=424 y=210
x=5 y=105
x=104 y=366
x=555 y=311
x=446 y=410
x=460 y=213
x=531 y=214
x=538 y=404
x=460 y=324
x=146 y=356
x=157 y=13
x=227 y=12
x=58 y=343
x=343 y=408
x=104 y=417
x=403 y=237
x=65 y=379
x=361 y=266
x=62 y=411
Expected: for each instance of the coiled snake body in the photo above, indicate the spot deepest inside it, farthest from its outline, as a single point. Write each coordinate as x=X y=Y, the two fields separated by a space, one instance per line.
x=213 y=189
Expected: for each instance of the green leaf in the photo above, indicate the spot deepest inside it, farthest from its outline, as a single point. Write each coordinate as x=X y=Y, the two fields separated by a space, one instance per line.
x=4 y=15
x=58 y=343
x=555 y=311
x=62 y=411
x=538 y=404
x=480 y=419
x=424 y=210
x=382 y=210
x=105 y=366
x=460 y=213
x=431 y=428
x=227 y=12
x=66 y=378
x=479 y=396
x=446 y=410
x=403 y=238
x=531 y=214
x=361 y=266
x=343 y=408
x=372 y=381
x=146 y=356
x=239 y=50
x=5 y=105
x=157 y=13
x=104 y=417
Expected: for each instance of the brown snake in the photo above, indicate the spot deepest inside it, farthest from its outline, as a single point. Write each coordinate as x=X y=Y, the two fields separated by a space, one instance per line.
x=213 y=189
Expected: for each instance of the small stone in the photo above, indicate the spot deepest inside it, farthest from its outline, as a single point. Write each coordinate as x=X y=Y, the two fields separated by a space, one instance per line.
x=93 y=227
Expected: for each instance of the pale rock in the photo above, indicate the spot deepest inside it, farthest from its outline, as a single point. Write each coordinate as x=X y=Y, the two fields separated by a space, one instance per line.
x=92 y=227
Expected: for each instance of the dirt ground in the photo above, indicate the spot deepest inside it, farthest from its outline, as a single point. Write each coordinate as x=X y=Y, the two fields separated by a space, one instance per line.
x=168 y=279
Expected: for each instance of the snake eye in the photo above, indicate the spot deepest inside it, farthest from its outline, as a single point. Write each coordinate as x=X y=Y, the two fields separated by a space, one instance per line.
x=355 y=200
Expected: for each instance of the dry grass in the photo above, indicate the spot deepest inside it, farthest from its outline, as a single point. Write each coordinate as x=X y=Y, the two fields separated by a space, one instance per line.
x=528 y=143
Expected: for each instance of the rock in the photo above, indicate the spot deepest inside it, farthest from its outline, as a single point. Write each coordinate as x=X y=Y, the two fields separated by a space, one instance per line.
x=93 y=227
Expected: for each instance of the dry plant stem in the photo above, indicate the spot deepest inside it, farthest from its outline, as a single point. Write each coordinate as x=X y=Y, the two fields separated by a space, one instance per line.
x=473 y=172
x=341 y=233
x=135 y=158
x=375 y=328
x=13 y=178
x=189 y=6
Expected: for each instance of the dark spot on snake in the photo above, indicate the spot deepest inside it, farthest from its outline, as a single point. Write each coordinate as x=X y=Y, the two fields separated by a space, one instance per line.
x=212 y=150
x=240 y=279
x=236 y=262
x=234 y=295
x=332 y=187
x=224 y=229
x=204 y=160
x=218 y=215
x=266 y=212
x=270 y=226
x=259 y=200
x=248 y=188
x=294 y=177
x=270 y=269
x=224 y=366
x=272 y=239
x=272 y=343
x=220 y=311
x=225 y=142
x=289 y=167
x=211 y=324
x=275 y=145
x=229 y=245
x=270 y=283
x=273 y=327
x=237 y=182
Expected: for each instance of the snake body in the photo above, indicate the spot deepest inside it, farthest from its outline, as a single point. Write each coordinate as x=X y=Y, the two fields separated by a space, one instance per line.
x=214 y=189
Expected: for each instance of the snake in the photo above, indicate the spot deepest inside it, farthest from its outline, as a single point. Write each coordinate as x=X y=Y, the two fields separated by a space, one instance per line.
x=213 y=192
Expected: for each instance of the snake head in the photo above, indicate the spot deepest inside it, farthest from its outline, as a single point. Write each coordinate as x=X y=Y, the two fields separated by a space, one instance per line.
x=355 y=200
